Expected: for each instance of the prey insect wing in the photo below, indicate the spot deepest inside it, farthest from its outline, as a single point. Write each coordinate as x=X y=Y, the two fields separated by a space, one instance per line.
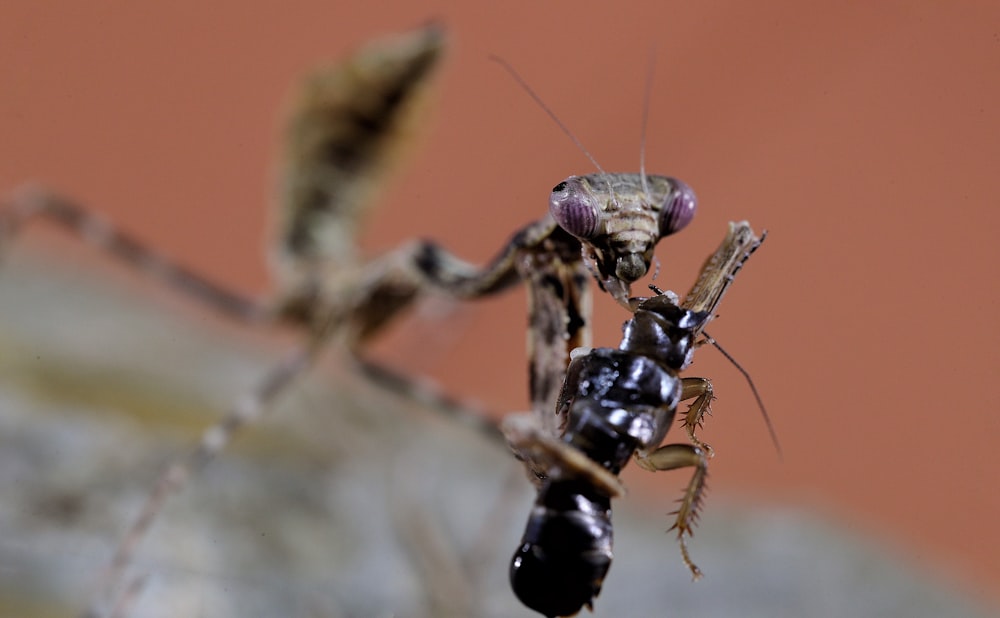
x=720 y=269
x=619 y=404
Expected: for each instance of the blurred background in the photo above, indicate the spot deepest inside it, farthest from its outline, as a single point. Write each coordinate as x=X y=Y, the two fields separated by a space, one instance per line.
x=864 y=137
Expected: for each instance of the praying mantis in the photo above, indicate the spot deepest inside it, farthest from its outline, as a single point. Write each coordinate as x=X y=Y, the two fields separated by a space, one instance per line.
x=344 y=135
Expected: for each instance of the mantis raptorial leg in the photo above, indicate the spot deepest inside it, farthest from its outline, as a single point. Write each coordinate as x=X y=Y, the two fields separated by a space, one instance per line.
x=345 y=132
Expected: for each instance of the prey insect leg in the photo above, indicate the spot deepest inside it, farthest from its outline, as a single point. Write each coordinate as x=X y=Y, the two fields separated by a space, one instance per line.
x=700 y=389
x=672 y=457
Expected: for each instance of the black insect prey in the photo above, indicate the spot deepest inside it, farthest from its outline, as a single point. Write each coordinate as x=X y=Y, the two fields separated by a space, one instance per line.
x=620 y=403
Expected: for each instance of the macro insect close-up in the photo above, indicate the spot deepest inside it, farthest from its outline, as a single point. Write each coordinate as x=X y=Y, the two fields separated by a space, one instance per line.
x=618 y=403
x=339 y=136
x=348 y=424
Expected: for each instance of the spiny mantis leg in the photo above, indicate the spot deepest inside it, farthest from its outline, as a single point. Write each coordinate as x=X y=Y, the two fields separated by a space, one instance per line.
x=541 y=255
x=545 y=454
x=31 y=201
x=558 y=322
x=671 y=457
x=212 y=442
x=345 y=129
x=378 y=290
x=427 y=394
x=338 y=146
x=559 y=309
x=369 y=299
x=372 y=297
x=548 y=260
x=333 y=164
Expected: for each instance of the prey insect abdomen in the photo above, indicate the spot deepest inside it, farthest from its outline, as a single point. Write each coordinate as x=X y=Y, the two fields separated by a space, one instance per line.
x=566 y=549
x=617 y=402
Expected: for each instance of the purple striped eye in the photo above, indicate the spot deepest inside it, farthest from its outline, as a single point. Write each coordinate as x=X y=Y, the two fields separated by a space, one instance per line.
x=678 y=209
x=573 y=209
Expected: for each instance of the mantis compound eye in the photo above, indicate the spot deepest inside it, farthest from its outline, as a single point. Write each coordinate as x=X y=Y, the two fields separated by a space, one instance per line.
x=678 y=209
x=573 y=209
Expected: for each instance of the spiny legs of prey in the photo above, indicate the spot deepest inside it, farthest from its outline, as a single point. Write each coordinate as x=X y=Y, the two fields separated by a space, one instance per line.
x=701 y=390
x=671 y=457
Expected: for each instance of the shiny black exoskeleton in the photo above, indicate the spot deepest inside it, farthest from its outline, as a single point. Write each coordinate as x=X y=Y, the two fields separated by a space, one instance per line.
x=617 y=402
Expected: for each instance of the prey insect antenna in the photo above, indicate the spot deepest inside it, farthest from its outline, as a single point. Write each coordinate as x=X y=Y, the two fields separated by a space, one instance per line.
x=753 y=388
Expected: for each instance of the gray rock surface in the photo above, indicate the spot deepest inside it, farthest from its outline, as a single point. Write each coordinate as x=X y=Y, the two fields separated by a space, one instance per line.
x=346 y=501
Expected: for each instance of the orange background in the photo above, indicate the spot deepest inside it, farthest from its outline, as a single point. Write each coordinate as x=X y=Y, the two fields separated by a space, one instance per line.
x=865 y=137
